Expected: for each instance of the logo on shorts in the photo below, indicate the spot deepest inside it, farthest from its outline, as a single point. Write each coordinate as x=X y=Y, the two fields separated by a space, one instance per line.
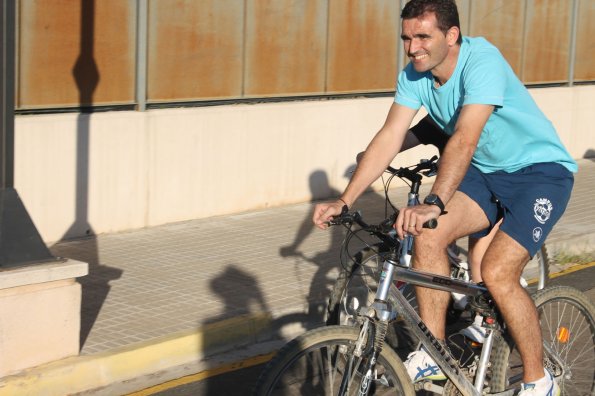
x=543 y=209
x=537 y=233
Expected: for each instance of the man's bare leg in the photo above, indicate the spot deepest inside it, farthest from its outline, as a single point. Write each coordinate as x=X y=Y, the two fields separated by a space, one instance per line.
x=477 y=249
x=501 y=269
x=464 y=217
x=433 y=304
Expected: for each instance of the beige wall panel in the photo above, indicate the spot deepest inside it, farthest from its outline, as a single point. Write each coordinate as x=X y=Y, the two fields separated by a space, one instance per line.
x=363 y=40
x=285 y=47
x=161 y=166
x=308 y=147
x=547 y=41
x=194 y=49
x=500 y=22
x=74 y=52
x=464 y=7
x=571 y=111
x=82 y=173
x=584 y=69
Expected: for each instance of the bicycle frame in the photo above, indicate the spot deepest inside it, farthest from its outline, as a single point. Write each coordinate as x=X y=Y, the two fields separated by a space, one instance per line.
x=440 y=354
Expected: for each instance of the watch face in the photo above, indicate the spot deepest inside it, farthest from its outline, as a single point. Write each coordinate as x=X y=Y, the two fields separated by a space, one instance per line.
x=431 y=199
x=434 y=199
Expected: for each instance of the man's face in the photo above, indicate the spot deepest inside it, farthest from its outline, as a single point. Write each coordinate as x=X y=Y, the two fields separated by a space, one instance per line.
x=425 y=44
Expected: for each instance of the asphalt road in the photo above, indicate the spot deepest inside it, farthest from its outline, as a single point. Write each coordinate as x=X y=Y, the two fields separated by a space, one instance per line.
x=240 y=382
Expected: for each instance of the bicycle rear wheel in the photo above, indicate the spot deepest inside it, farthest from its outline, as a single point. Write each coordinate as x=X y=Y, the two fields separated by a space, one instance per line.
x=316 y=362
x=567 y=320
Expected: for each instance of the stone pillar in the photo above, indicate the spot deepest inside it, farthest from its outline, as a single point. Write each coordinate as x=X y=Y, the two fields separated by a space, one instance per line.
x=40 y=314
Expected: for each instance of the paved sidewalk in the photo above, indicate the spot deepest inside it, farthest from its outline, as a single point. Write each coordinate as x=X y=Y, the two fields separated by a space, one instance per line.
x=160 y=301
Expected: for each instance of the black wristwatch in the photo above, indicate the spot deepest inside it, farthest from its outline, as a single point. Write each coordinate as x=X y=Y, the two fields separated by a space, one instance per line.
x=434 y=199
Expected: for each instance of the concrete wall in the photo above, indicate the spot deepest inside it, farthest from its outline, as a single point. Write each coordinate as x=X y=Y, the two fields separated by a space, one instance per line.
x=81 y=174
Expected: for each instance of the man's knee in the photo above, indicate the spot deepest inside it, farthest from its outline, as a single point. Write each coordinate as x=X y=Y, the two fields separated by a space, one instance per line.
x=501 y=276
x=429 y=252
x=494 y=275
x=430 y=242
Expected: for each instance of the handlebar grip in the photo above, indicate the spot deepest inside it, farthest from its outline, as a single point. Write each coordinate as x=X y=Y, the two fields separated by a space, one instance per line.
x=431 y=224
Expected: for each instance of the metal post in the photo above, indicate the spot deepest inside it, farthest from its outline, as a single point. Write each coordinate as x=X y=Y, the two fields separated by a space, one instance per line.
x=20 y=243
x=572 y=49
x=141 y=55
x=7 y=33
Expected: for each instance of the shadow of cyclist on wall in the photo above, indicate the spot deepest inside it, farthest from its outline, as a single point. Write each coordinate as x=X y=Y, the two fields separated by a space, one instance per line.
x=326 y=261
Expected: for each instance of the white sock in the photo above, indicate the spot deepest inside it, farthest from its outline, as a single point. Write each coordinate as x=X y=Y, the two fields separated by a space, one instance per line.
x=543 y=381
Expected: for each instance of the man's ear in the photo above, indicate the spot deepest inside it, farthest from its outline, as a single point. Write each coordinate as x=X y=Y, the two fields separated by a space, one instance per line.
x=452 y=35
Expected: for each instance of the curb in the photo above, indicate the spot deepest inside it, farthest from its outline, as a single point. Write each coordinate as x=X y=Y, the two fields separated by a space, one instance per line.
x=154 y=361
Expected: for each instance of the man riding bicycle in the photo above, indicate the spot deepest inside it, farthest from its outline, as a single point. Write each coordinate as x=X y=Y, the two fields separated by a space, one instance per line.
x=501 y=147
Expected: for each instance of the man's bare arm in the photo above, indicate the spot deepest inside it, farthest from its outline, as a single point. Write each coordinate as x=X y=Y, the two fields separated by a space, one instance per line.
x=454 y=163
x=381 y=151
x=379 y=154
x=460 y=149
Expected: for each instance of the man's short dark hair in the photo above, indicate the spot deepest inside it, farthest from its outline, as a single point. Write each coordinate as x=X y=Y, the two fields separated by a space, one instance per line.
x=446 y=13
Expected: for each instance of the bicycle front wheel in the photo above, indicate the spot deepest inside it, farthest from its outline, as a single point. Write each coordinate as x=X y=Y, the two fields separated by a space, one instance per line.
x=567 y=320
x=316 y=362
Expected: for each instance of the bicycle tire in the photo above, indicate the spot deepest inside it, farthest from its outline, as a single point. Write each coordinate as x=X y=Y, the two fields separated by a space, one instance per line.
x=571 y=338
x=296 y=368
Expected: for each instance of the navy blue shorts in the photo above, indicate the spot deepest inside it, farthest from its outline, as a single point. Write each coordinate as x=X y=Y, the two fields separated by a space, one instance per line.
x=531 y=200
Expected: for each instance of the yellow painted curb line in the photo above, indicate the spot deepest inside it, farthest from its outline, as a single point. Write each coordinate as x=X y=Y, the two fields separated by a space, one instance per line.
x=569 y=270
x=82 y=373
x=227 y=368
x=574 y=268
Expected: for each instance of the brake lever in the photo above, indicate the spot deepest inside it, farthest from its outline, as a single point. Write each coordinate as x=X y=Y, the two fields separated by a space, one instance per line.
x=344 y=218
x=389 y=223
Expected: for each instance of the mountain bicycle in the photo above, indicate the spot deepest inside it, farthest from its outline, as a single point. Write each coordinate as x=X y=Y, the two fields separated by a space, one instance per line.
x=352 y=359
x=356 y=284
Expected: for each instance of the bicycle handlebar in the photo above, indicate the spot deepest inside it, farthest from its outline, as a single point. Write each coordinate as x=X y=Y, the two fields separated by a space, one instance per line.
x=429 y=166
x=425 y=167
x=384 y=227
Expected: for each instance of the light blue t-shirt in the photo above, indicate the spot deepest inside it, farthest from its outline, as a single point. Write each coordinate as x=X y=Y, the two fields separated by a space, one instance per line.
x=516 y=135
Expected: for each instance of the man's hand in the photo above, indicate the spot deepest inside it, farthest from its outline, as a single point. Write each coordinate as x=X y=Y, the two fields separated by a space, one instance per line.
x=412 y=218
x=324 y=212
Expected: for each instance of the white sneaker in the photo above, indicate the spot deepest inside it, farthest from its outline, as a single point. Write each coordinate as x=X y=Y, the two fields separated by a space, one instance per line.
x=474 y=331
x=420 y=366
x=546 y=386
